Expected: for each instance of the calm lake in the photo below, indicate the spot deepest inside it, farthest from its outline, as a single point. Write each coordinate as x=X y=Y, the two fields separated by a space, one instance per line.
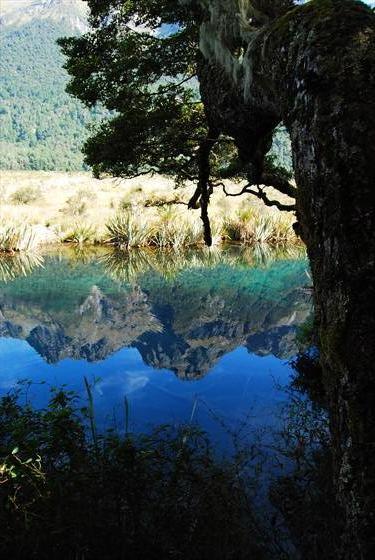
x=186 y=337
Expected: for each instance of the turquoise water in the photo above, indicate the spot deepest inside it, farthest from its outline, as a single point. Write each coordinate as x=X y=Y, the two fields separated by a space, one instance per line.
x=203 y=336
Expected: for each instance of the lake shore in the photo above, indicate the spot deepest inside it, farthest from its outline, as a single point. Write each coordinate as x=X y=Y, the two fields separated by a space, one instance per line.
x=38 y=208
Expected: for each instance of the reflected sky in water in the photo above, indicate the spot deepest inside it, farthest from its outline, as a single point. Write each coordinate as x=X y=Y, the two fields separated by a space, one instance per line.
x=203 y=336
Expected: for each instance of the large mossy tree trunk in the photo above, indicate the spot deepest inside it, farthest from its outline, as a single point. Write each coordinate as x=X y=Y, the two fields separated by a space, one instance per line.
x=314 y=69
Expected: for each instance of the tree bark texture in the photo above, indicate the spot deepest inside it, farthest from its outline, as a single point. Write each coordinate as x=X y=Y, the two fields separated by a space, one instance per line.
x=314 y=69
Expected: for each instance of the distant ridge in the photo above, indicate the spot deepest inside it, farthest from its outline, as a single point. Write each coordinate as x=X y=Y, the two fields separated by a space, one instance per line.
x=70 y=13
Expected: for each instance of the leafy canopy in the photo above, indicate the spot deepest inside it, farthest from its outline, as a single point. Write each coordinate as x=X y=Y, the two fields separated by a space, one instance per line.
x=140 y=60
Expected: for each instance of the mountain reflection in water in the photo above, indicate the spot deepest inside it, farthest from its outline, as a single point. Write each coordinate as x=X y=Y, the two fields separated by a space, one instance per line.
x=145 y=321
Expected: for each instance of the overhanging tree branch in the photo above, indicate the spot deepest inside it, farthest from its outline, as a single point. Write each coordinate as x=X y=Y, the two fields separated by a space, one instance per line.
x=275 y=181
x=259 y=193
x=161 y=203
x=279 y=183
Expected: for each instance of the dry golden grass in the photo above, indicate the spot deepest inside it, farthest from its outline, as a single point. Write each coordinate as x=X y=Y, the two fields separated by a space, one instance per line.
x=76 y=207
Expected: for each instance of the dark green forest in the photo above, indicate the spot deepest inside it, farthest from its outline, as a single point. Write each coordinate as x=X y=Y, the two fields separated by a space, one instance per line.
x=42 y=127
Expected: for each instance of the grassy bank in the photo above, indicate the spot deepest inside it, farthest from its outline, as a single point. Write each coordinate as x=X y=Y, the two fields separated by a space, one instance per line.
x=45 y=208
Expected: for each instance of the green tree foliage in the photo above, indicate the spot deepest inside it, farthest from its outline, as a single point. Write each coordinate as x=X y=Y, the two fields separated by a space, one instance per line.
x=141 y=61
x=145 y=77
x=42 y=127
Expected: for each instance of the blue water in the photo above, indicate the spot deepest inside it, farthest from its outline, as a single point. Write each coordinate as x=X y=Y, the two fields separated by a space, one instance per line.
x=201 y=337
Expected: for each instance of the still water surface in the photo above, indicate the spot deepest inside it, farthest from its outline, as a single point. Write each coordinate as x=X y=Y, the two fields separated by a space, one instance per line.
x=203 y=336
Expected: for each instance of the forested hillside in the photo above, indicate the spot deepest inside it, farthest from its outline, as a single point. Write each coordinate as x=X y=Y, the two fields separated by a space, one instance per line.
x=42 y=127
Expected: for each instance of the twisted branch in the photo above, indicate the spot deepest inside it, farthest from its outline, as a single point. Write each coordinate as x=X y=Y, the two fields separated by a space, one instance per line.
x=268 y=180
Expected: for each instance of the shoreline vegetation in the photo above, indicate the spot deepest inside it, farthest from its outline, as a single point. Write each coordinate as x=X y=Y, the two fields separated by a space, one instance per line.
x=50 y=208
x=69 y=489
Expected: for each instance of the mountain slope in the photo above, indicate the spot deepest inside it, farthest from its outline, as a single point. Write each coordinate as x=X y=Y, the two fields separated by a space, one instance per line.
x=70 y=13
x=41 y=126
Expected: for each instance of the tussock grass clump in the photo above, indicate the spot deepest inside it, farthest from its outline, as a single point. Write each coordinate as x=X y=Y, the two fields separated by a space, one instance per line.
x=165 y=230
x=133 y=197
x=252 y=227
x=127 y=231
x=17 y=238
x=81 y=234
x=176 y=234
x=25 y=195
x=66 y=488
x=77 y=204
x=127 y=266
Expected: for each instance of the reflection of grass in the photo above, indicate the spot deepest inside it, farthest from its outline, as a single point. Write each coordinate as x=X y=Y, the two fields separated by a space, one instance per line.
x=125 y=267
x=262 y=254
x=81 y=254
x=18 y=265
x=128 y=266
